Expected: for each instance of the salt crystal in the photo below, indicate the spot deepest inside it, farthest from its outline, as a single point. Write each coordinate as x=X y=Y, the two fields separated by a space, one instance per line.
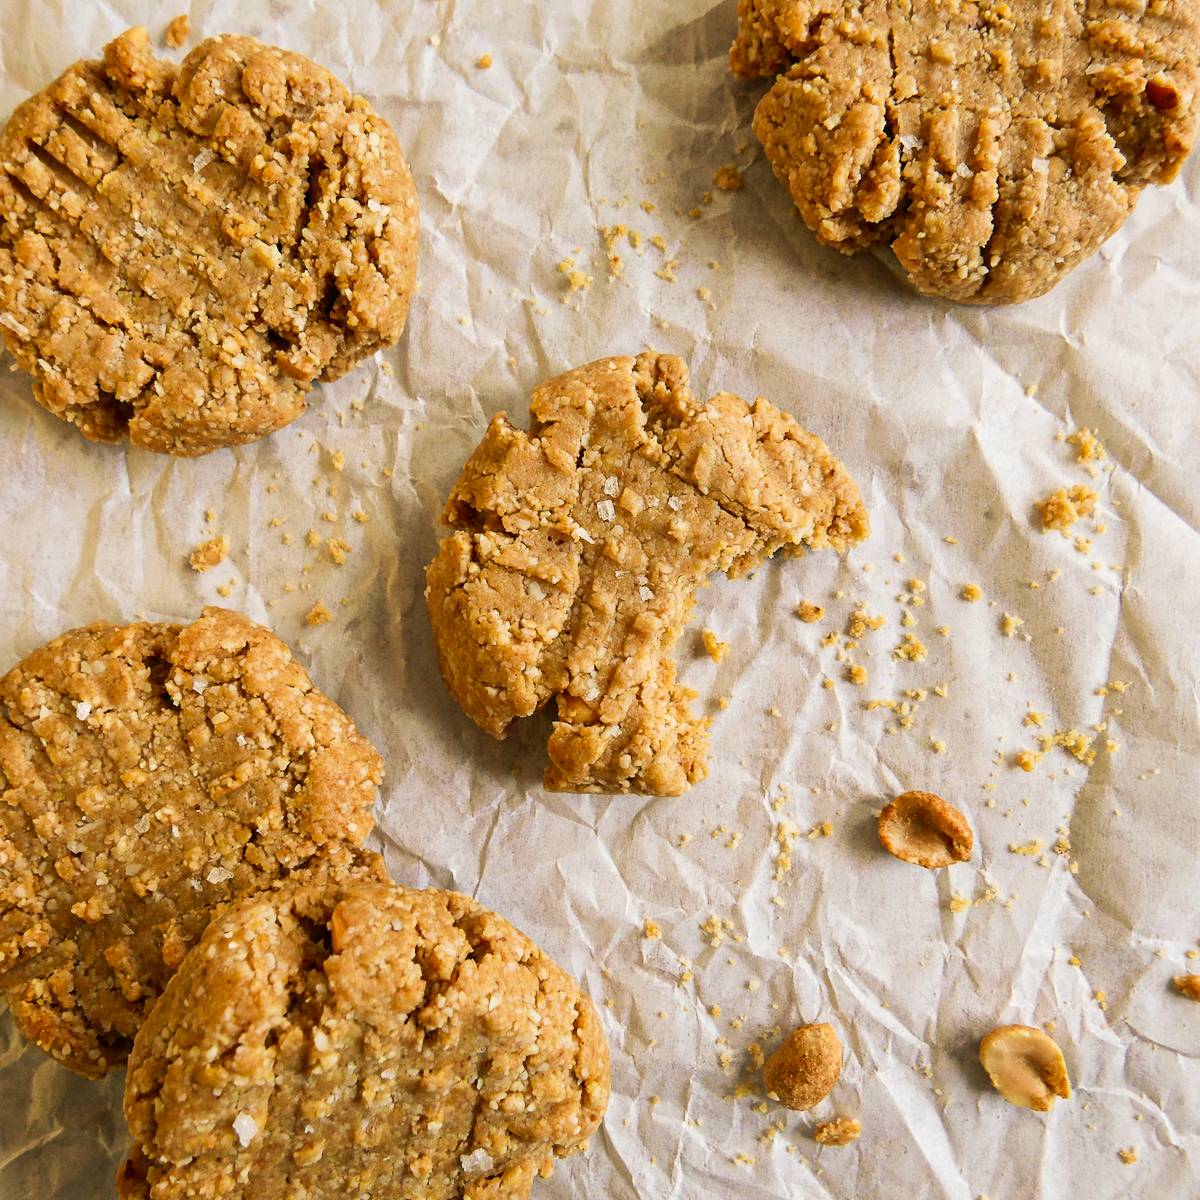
x=607 y=510
x=476 y=1162
x=612 y=486
x=909 y=142
x=11 y=322
x=202 y=160
x=584 y=536
x=1040 y=166
x=246 y=1128
x=83 y=710
x=645 y=593
x=198 y=686
x=673 y=503
x=962 y=171
x=218 y=875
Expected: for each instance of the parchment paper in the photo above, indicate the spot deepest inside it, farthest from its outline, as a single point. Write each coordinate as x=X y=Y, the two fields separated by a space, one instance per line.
x=947 y=416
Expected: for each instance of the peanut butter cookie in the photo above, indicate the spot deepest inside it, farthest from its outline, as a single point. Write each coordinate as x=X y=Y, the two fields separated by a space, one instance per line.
x=149 y=773
x=578 y=547
x=994 y=145
x=361 y=1040
x=183 y=250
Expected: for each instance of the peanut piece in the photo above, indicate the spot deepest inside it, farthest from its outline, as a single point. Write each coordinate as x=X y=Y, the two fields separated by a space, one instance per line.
x=924 y=829
x=802 y=1072
x=1188 y=985
x=1025 y=1066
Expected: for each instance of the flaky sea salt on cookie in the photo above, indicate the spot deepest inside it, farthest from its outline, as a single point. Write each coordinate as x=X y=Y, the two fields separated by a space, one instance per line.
x=361 y=1040
x=577 y=549
x=148 y=774
x=185 y=249
x=993 y=146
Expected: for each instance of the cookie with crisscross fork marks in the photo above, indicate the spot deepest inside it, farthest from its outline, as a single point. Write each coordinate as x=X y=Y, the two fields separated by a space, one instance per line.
x=149 y=774
x=993 y=144
x=184 y=250
x=361 y=1040
x=578 y=548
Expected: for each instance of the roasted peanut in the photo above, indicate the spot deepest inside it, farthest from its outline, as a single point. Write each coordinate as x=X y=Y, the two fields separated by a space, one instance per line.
x=1026 y=1066
x=922 y=828
x=802 y=1072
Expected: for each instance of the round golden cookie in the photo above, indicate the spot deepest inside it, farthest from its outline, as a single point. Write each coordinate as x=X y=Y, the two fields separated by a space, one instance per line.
x=993 y=146
x=184 y=250
x=149 y=773
x=577 y=549
x=361 y=1040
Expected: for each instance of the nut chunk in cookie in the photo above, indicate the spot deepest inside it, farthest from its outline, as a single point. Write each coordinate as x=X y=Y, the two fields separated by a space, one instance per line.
x=362 y=1040
x=185 y=249
x=993 y=146
x=148 y=774
x=578 y=547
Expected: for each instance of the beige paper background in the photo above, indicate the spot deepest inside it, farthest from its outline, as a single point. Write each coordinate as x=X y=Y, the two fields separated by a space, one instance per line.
x=948 y=418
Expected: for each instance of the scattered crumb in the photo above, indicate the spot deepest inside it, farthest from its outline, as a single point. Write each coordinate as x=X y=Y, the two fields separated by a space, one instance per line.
x=971 y=592
x=318 y=614
x=716 y=648
x=729 y=179
x=651 y=930
x=339 y=550
x=1128 y=1156
x=1009 y=624
x=226 y=589
x=862 y=621
x=484 y=61
x=912 y=649
x=178 y=31
x=1090 y=450
x=857 y=674
x=1033 y=717
x=337 y=460
x=841 y=1131
x=208 y=555
x=809 y=612
x=577 y=280
x=1062 y=508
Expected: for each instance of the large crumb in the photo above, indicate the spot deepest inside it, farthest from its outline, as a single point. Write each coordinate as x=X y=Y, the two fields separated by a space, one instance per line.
x=809 y=613
x=178 y=31
x=971 y=592
x=1089 y=448
x=1062 y=508
x=210 y=554
x=729 y=179
x=318 y=614
x=715 y=648
x=841 y=1131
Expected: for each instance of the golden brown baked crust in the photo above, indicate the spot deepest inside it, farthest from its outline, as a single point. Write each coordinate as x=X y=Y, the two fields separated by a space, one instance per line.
x=183 y=250
x=994 y=145
x=578 y=547
x=361 y=1040
x=149 y=773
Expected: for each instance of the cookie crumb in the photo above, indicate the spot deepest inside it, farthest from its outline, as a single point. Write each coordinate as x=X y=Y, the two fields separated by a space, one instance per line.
x=577 y=280
x=715 y=648
x=971 y=592
x=1188 y=985
x=810 y=613
x=484 y=62
x=1088 y=447
x=729 y=179
x=1009 y=624
x=1128 y=1156
x=210 y=554
x=178 y=31
x=318 y=614
x=912 y=649
x=841 y=1131
x=338 y=460
x=857 y=674
x=1064 y=506
x=339 y=550
x=651 y=930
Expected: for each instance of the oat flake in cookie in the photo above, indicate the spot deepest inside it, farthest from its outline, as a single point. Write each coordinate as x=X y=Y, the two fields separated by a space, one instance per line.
x=184 y=250
x=147 y=774
x=361 y=1040
x=993 y=145
x=577 y=549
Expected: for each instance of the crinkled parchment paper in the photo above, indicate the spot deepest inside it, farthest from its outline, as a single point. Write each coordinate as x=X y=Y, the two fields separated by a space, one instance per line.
x=951 y=420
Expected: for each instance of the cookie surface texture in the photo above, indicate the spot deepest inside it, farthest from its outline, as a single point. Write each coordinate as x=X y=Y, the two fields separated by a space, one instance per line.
x=993 y=146
x=577 y=548
x=149 y=773
x=364 y=1040
x=184 y=250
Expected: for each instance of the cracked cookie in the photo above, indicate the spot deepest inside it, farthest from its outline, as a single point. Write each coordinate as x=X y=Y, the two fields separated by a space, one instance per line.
x=149 y=773
x=361 y=1040
x=185 y=249
x=577 y=549
x=993 y=144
